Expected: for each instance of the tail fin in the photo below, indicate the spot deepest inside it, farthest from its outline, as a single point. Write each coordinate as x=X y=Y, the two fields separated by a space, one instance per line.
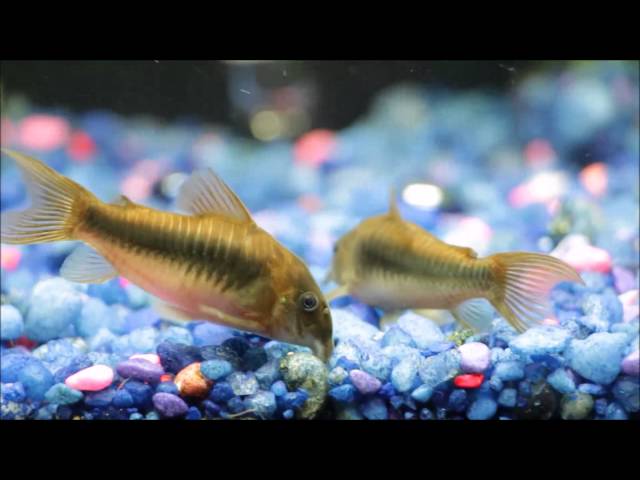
x=523 y=282
x=57 y=205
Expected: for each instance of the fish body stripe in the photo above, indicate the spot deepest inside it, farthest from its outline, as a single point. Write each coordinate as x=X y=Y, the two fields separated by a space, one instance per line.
x=143 y=231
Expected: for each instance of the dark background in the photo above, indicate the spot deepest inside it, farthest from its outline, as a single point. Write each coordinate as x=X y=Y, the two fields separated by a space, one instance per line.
x=199 y=90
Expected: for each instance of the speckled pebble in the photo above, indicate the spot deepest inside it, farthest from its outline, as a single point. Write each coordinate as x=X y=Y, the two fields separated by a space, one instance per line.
x=576 y=406
x=243 y=383
x=304 y=370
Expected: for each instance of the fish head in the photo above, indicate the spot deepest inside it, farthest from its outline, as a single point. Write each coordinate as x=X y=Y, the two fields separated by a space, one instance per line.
x=302 y=315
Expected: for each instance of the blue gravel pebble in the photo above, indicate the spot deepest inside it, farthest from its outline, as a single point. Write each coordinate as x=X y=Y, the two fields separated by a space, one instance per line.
x=93 y=316
x=422 y=393
x=426 y=414
x=600 y=406
x=404 y=375
x=387 y=390
x=243 y=383
x=193 y=414
x=483 y=408
x=169 y=406
x=423 y=331
x=598 y=357
x=615 y=412
x=347 y=364
x=439 y=368
x=294 y=400
x=264 y=404
x=268 y=373
x=123 y=399
x=12 y=392
x=344 y=393
x=235 y=405
x=60 y=394
x=508 y=397
x=54 y=305
x=626 y=391
x=77 y=363
x=540 y=340
x=279 y=388
x=141 y=392
x=167 y=387
x=36 y=380
x=561 y=381
x=210 y=334
x=176 y=335
x=102 y=398
x=221 y=392
x=215 y=369
x=288 y=414
x=11 y=325
x=374 y=409
x=211 y=408
x=396 y=336
x=509 y=371
x=458 y=401
x=592 y=389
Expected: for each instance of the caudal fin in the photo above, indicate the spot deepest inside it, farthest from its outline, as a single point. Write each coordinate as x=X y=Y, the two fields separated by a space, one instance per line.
x=523 y=282
x=57 y=205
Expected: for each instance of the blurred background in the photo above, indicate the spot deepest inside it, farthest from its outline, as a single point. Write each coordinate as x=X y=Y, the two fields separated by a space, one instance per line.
x=310 y=94
x=496 y=155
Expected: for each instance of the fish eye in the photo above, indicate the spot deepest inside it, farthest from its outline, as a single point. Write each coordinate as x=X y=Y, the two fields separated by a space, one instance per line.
x=309 y=301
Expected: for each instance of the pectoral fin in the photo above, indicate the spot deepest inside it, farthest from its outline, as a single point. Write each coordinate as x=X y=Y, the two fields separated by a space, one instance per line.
x=85 y=265
x=476 y=314
x=171 y=312
x=232 y=321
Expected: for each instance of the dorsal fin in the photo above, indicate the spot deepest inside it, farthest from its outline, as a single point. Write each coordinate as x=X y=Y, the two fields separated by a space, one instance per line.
x=393 y=203
x=123 y=201
x=469 y=252
x=204 y=193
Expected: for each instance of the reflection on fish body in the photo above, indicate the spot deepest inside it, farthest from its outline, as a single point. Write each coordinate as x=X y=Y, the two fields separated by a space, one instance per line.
x=215 y=264
x=394 y=264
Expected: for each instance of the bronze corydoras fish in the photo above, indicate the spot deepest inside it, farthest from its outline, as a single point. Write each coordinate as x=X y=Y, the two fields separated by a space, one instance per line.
x=389 y=262
x=215 y=264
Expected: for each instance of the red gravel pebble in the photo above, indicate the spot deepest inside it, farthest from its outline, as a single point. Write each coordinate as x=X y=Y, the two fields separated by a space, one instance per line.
x=26 y=342
x=470 y=380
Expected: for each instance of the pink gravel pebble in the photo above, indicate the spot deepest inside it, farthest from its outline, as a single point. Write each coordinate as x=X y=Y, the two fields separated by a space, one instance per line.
x=91 y=379
x=149 y=357
x=630 y=298
x=631 y=364
x=577 y=252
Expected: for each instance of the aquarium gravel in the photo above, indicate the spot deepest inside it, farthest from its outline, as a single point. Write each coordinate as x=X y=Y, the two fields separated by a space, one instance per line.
x=550 y=166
